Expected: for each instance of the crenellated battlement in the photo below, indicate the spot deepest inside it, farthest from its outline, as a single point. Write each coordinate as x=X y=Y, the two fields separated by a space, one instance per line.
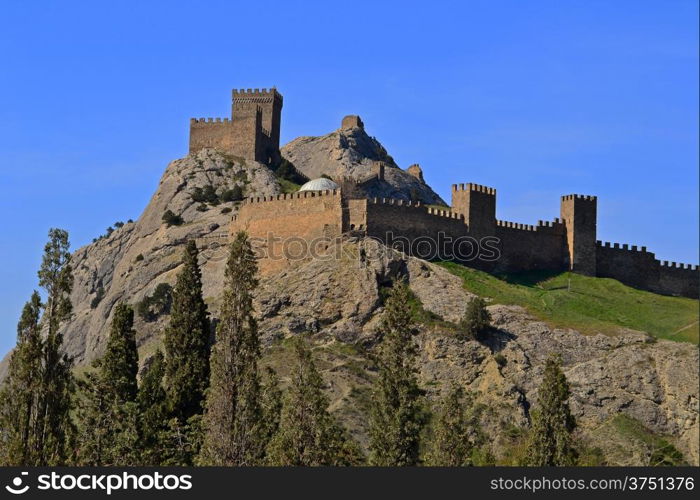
x=395 y=201
x=255 y=92
x=470 y=186
x=292 y=196
x=583 y=197
x=677 y=265
x=210 y=120
x=621 y=246
x=515 y=225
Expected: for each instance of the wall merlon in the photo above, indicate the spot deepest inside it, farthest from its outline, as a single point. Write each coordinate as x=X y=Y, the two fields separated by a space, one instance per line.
x=474 y=187
x=584 y=197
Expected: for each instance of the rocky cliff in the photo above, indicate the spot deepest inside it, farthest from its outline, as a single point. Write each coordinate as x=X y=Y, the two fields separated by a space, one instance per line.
x=338 y=302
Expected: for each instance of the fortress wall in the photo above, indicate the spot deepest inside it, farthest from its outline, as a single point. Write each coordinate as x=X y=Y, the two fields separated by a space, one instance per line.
x=413 y=225
x=239 y=137
x=294 y=220
x=526 y=247
x=678 y=279
x=639 y=268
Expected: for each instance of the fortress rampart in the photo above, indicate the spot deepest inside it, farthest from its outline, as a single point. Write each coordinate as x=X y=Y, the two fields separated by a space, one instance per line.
x=564 y=243
x=640 y=268
x=468 y=232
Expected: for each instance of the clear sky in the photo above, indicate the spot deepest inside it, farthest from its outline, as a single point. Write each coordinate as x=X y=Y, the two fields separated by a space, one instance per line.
x=536 y=98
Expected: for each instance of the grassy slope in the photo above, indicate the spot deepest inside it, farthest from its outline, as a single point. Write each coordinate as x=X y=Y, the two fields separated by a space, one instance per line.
x=591 y=305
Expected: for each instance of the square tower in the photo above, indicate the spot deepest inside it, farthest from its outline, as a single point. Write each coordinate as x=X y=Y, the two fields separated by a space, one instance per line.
x=478 y=205
x=579 y=213
x=246 y=102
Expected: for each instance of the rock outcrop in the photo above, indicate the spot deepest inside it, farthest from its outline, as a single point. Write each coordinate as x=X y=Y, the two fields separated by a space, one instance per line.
x=350 y=153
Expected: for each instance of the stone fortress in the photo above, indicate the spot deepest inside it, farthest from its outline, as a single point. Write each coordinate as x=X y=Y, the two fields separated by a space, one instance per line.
x=565 y=243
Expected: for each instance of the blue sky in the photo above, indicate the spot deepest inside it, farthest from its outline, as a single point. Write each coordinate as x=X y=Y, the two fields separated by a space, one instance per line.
x=537 y=99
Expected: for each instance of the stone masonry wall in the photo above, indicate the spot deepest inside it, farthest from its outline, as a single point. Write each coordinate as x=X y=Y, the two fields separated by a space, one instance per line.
x=294 y=220
x=639 y=268
x=527 y=247
x=240 y=137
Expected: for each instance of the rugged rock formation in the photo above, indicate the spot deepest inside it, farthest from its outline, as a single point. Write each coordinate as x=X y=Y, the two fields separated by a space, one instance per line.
x=350 y=153
x=134 y=259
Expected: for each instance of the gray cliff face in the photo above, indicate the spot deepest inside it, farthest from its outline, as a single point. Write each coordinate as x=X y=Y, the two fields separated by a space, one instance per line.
x=338 y=302
x=350 y=153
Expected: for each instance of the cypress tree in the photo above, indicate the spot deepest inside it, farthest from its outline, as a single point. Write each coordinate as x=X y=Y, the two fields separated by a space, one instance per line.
x=271 y=406
x=457 y=438
x=232 y=420
x=20 y=393
x=186 y=341
x=550 y=441
x=53 y=425
x=308 y=435
x=95 y=416
x=396 y=417
x=120 y=363
x=108 y=413
x=450 y=445
x=152 y=410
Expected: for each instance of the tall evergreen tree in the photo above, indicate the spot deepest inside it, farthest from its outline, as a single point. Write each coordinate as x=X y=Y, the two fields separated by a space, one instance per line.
x=308 y=435
x=40 y=384
x=20 y=393
x=186 y=341
x=271 y=397
x=108 y=413
x=120 y=363
x=232 y=420
x=153 y=412
x=457 y=438
x=396 y=416
x=550 y=440
x=54 y=424
x=449 y=446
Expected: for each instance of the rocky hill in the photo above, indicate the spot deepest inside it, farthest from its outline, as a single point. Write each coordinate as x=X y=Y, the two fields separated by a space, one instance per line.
x=339 y=303
x=349 y=153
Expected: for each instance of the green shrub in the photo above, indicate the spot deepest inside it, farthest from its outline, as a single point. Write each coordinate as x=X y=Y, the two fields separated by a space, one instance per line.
x=202 y=207
x=207 y=194
x=286 y=170
x=500 y=360
x=226 y=210
x=233 y=194
x=159 y=302
x=139 y=258
x=476 y=319
x=171 y=219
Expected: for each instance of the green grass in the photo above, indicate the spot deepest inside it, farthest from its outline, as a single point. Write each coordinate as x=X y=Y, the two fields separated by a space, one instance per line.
x=625 y=434
x=288 y=186
x=590 y=305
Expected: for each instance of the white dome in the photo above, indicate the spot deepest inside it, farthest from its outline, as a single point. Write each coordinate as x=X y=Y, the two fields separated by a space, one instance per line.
x=319 y=185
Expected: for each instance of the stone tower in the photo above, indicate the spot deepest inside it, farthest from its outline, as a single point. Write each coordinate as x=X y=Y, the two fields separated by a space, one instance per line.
x=253 y=132
x=478 y=205
x=579 y=214
x=247 y=102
